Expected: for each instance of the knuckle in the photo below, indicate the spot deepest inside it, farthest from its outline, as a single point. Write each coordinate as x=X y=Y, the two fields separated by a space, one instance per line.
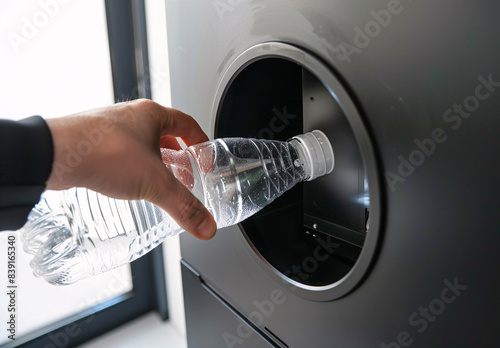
x=146 y=104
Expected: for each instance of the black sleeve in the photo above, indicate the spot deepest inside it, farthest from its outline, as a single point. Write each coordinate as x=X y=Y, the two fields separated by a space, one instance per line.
x=26 y=155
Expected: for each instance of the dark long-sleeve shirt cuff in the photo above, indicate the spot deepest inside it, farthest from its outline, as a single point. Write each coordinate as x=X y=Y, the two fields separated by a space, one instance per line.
x=26 y=156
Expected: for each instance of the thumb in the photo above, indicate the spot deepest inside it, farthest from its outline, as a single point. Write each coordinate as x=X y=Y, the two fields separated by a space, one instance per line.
x=191 y=215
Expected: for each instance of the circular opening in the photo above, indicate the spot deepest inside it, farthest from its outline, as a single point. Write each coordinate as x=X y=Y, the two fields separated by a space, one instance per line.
x=320 y=235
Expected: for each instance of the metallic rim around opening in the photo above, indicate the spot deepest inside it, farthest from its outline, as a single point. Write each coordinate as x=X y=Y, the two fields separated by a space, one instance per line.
x=285 y=51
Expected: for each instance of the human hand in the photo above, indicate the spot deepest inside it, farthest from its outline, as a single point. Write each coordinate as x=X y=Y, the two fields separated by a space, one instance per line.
x=116 y=151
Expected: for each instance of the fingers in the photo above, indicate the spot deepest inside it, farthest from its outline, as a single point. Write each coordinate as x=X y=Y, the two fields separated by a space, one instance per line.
x=165 y=190
x=168 y=121
x=175 y=123
x=169 y=142
x=183 y=206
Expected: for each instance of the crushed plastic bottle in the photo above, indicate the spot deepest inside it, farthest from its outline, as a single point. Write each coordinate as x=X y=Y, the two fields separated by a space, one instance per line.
x=77 y=233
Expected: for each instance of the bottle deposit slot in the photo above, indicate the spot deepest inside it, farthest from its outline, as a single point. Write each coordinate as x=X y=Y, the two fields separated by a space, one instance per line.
x=313 y=236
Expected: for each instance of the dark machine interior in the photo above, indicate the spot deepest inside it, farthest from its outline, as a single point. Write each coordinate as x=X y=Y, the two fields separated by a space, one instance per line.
x=274 y=98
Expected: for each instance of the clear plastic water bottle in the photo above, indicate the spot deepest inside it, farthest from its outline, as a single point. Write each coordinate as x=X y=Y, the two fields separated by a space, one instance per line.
x=78 y=233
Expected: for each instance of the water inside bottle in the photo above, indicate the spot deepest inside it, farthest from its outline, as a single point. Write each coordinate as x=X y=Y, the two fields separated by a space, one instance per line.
x=244 y=175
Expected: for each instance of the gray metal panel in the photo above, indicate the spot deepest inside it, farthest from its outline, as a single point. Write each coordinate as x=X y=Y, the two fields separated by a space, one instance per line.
x=441 y=221
x=212 y=324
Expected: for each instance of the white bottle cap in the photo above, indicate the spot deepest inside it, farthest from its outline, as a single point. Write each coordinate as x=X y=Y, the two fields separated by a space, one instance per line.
x=319 y=151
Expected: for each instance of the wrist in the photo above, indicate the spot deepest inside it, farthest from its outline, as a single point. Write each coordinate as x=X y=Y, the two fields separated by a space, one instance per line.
x=59 y=177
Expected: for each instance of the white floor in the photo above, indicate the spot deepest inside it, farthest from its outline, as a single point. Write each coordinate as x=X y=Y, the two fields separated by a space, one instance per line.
x=146 y=331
